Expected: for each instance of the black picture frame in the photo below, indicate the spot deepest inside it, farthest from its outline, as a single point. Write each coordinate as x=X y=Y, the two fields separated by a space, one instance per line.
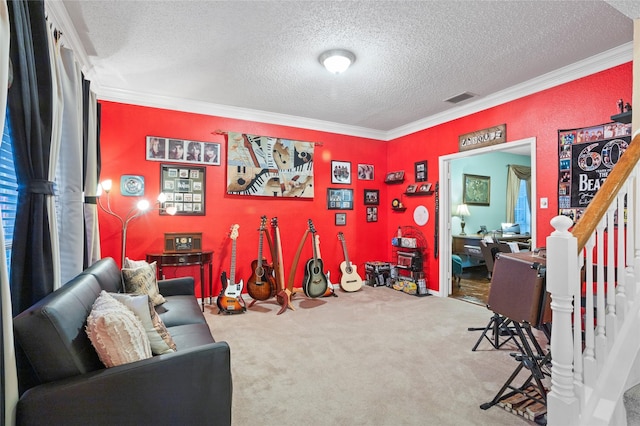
x=341 y=219
x=421 y=171
x=339 y=199
x=371 y=197
x=341 y=172
x=476 y=190
x=184 y=187
x=372 y=214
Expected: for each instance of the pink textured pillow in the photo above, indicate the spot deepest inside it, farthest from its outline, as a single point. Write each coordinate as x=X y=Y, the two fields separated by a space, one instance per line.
x=116 y=333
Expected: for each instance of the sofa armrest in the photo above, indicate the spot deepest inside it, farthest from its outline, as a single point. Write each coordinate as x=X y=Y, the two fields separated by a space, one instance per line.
x=177 y=286
x=192 y=386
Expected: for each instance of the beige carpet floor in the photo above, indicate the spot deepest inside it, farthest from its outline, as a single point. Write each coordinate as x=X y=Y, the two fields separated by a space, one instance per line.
x=373 y=357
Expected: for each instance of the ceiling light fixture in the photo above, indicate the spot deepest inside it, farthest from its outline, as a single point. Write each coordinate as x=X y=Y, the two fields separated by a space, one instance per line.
x=337 y=61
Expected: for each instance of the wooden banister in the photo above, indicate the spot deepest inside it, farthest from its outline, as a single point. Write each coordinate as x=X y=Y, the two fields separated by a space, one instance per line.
x=607 y=193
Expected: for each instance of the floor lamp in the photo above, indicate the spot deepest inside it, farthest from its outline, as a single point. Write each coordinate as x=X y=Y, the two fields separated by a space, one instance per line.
x=139 y=209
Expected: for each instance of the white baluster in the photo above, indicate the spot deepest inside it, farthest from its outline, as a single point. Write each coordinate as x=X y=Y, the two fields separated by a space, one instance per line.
x=562 y=404
x=601 y=338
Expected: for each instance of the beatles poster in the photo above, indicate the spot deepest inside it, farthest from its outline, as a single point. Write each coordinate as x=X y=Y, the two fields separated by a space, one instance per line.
x=587 y=156
x=269 y=167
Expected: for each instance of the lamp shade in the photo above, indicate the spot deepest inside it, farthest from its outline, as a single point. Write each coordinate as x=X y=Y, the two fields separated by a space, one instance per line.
x=463 y=210
x=337 y=61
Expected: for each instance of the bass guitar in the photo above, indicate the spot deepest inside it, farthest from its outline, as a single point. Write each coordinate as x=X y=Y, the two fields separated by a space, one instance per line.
x=230 y=298
x=315 y=282
x=350 y=280
x=261 y=285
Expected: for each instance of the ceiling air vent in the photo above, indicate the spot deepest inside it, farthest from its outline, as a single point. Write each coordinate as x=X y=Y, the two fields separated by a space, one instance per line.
x=459 y=98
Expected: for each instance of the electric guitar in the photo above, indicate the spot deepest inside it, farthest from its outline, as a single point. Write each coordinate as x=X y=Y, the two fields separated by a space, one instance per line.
x=261 y=285
x=350 y=280
x=230 y=298
x=315 y=282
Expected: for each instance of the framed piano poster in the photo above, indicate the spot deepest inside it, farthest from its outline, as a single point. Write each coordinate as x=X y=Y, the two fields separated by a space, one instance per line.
x=184 y=187
x=269 y=167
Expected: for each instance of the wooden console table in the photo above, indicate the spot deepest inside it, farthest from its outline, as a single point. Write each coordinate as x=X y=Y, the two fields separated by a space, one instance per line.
x=186 y=259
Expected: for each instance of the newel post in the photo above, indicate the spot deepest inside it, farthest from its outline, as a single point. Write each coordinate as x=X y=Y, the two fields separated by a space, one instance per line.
x=562 y=267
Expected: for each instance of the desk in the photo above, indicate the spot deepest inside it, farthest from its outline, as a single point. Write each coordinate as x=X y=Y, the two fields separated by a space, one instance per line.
x=459 y=241
x=186 y=259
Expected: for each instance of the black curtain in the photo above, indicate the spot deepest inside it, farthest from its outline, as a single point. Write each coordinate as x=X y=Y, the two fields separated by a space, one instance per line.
x=29 y=103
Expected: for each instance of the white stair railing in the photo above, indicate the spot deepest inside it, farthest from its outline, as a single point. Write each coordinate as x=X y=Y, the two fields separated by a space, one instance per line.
x=592 y=275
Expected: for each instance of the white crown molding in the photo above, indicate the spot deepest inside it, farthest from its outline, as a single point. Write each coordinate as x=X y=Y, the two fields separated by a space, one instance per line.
x=206 y=108
x=605 y=60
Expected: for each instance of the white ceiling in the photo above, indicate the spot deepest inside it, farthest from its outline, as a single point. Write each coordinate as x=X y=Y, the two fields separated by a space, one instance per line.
x=257 y=60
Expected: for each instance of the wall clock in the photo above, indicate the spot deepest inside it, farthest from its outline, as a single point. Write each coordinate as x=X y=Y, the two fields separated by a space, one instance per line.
x=421 y=215
x=132 y=186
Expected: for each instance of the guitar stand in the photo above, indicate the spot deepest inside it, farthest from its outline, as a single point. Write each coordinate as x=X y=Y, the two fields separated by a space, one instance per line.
x=499 y=326
x=533 y=359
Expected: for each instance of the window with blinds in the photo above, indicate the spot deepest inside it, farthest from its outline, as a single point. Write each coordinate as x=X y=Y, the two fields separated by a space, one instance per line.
x=8 y=187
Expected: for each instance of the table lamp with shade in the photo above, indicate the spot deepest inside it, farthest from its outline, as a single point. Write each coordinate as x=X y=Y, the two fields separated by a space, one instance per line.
x=462 y=211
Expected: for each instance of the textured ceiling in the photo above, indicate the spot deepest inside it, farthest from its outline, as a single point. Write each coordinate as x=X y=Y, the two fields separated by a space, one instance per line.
x=258 y=60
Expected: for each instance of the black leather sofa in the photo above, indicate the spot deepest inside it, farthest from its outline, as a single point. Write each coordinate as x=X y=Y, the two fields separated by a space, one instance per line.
x=191 y=386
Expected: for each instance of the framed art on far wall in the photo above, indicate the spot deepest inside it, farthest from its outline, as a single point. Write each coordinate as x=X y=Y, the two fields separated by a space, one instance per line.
x=371 y=197
x=341 y=172
x=421 y=171
x=341 y=219
x=365 y=171
x=339 y=199
x=184 y=187
x=372 y=214
x=183 y=151
x=476 y=190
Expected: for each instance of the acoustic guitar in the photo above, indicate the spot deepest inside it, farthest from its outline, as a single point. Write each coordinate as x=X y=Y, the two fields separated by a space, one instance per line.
x=315 y=282
x=331 y=288
x=230 y=298
x=261 y=285
x=350 y=280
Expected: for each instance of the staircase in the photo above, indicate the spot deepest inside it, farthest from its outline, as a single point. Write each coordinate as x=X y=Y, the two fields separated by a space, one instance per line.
x=593 y=275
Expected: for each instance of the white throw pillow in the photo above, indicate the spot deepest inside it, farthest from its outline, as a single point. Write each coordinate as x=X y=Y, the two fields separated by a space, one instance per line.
x=142 y=280
x=132 y=264
x=159 y=337
x=116 y=333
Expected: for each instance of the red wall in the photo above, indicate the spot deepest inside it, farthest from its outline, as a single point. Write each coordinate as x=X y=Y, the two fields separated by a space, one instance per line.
x=123 y=133
x=587 y=101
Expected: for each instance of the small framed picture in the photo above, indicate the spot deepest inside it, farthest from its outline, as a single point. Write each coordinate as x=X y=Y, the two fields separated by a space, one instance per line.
x=476 y=190
x=339 y=199
x=341 y=172
x=372 y=214
x=341 y=219
x=395 y=177
x=371 y=197
x=421 y=171
x=365 y=171
x=425 y=188
x=411 y=188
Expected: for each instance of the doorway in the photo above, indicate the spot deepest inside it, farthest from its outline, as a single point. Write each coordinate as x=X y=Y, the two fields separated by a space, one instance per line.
x=522 y=147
